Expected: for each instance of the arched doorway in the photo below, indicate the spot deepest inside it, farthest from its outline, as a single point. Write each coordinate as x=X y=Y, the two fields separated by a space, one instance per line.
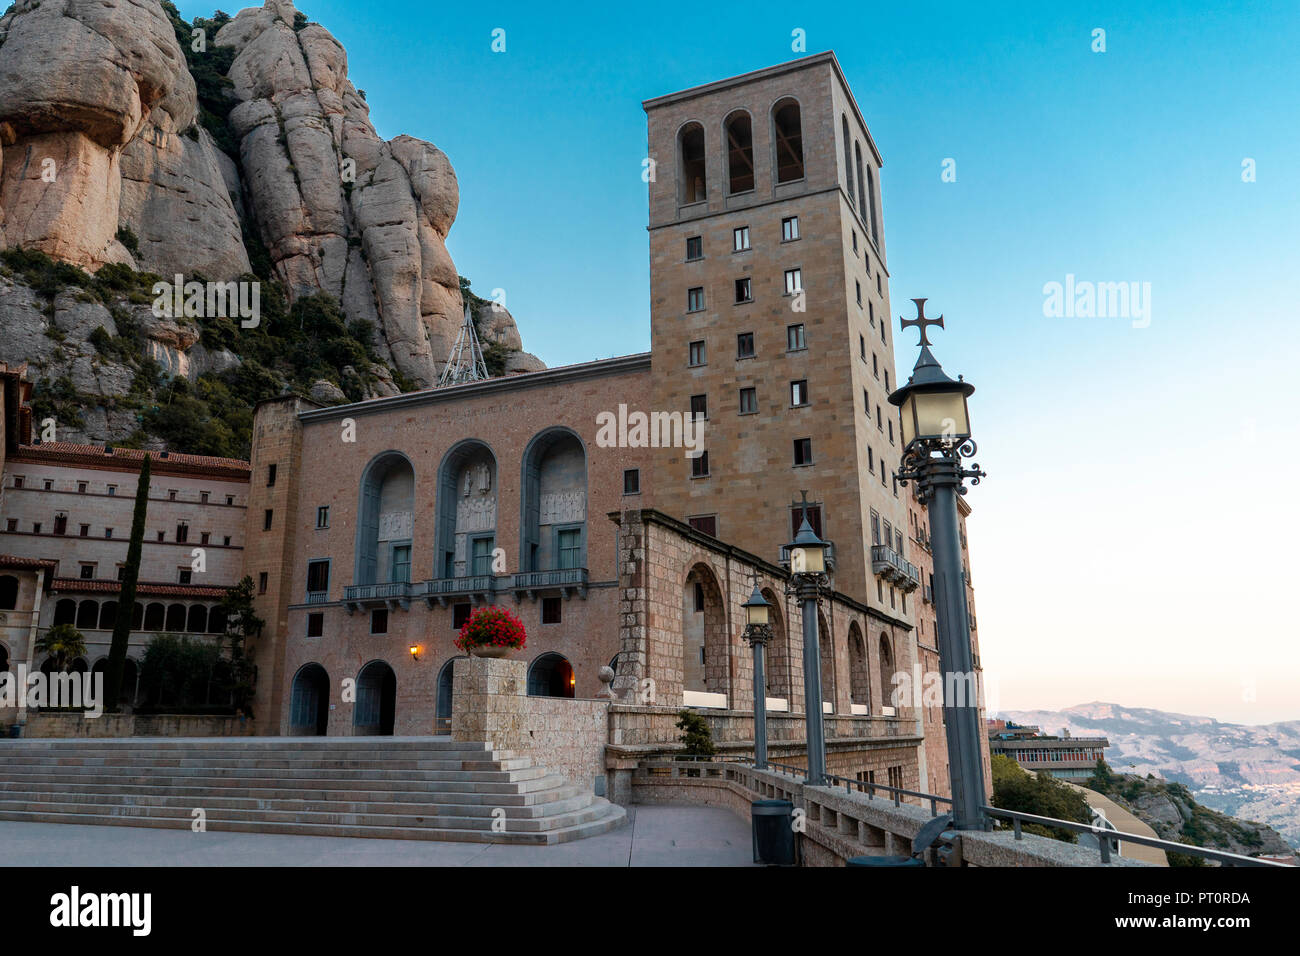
x=778 y=662
x=826 y=648
x=551 y=675
x=376 y=704
x=309 y=707
x=886 y=676
x=705 y=665
x=859 y=673
x=442 y=711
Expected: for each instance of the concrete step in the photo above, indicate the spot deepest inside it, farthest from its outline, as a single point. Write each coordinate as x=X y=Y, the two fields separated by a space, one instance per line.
x=414 y=788
x=555 y=802
x=478 y=763
x=557 y=789
x=606 y=816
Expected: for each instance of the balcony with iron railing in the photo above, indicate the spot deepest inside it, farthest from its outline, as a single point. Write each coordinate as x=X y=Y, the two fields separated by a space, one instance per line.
x=893 y=567
x=318 y=597
x=567 y=580
x=442 y=591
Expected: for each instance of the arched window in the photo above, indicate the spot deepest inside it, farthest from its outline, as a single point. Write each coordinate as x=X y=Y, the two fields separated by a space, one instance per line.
x=551 y=675
x=691 y=146
x=739 y=130
x=848 y=164
x=87 y=615
x=386 y=520
x=176 y=618
x=107 y=615
x=217 y=621
x=787 y=138
x=8 y=592
x=554 y=519
x=862 y=196
x=467 y=510
x=871 y=206
x=155 y=616
x=309 y=701
x=376 y=703
x=442 y=713
x=65 y=611
x=779 y=663
x=137 y=616
x=196 y=621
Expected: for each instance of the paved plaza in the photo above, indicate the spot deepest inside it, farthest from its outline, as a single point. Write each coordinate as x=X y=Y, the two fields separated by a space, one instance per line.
x=653 y=836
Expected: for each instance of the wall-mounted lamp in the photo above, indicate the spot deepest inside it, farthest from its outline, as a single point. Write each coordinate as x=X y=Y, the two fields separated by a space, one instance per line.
x=415 y=652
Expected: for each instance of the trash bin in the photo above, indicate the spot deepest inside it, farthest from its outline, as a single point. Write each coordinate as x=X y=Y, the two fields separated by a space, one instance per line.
x=15 y=730
x=772 y=822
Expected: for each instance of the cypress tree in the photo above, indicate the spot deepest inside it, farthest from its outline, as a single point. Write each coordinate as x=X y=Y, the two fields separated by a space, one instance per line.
x=126 y=598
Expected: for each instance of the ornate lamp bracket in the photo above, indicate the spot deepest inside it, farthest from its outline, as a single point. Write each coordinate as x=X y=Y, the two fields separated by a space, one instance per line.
x=930 y=463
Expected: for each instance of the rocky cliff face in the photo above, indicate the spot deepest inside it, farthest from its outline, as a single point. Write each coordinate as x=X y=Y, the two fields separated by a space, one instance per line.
x=109 y=157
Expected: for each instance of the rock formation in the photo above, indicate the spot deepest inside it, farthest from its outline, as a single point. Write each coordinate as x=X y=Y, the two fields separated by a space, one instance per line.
x=108 y=157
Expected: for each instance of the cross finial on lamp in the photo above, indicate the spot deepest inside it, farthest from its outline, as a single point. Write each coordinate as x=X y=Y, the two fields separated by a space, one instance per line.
x=921 y=321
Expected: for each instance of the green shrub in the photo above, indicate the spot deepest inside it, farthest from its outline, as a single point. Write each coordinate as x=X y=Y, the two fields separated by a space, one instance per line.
x=696 y=736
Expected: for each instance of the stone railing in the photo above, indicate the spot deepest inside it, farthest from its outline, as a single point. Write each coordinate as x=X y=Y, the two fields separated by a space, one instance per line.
x=652 y=726
x=65 y=725
x=838 y=824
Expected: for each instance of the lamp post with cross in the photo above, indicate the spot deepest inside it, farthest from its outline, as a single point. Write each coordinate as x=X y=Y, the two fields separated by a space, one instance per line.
x=936 y=435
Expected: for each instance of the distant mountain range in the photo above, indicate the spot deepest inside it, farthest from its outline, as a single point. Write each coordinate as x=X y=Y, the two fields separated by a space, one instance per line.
x=1250 y=772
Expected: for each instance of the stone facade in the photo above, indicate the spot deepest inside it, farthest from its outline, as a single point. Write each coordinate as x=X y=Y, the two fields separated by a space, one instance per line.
x=491 y=703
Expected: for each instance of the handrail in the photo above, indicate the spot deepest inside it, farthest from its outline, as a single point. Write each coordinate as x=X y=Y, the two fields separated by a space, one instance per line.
x=1105 y=835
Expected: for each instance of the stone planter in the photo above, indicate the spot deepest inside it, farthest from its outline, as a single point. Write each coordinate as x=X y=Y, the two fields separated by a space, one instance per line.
x=491 y=650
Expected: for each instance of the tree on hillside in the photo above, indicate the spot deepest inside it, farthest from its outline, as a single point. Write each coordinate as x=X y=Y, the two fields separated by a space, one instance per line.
x=126 y=597
x=1039 y=794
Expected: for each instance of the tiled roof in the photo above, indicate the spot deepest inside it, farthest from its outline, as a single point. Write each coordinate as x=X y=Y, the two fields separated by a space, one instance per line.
x=142 y=589
x=30 y=564
x=69 y=453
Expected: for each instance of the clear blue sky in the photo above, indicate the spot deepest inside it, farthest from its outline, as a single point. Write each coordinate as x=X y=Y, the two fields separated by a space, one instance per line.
x=1125 y=544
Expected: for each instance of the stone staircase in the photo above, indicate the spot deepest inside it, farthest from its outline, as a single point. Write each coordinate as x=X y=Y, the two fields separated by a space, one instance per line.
x=410 y=788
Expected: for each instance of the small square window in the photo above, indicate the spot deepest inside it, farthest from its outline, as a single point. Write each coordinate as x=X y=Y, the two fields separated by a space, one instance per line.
x=694 y=248
x=744 y=291
x=695 y=299
x=18 y=481
x=11 y=524
x=740 y=239
x=551 y=610
x=379 y=621
x=203 y=497
x=696 y=354
x=184 y=575
x=323 y=516
x=632 y=481
x=799 y=392
x=121 y=571
x=182 y=533
x=112 y=489
x=108 y=532
x=748 y=401
x=85 y=531
x=230 y=499
x=793 y=281
x=171 y=494
x=795 y=338
x=49 y=485
x=81 y=487
x=700 y=465
x=226 y=540
x=460 y=614
x=803 y=451
x=162 y=535
x=315 y=624
x=87 y=572
x=36 y=529
x=709 y=525
x=699 y=406
x=205 y=537
x=789 y=228
x=745 y=345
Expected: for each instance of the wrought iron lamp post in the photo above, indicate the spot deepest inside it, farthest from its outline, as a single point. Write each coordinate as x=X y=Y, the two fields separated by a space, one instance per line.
x=808 y=569
x=758 y=631
x=936 y=437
